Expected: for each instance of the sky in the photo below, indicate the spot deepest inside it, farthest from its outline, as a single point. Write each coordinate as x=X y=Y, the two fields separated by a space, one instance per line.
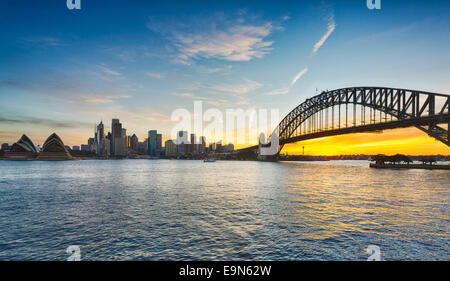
x=65 y=70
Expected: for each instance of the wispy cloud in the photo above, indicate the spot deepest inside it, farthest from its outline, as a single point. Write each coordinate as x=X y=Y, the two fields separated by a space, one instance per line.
x=209 y=70
x=44 y=122
x=235 y=89
x=42 y=41
x=281 y=91
x=155 y=75
x=331 y=28
x=208 y=100
x=97 y=99
x=218 y=39
x=299 y=75
x=109 y=71
x=286 y=90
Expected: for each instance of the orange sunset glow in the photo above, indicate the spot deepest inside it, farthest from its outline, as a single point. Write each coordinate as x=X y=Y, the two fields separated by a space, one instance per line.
x=409 y=141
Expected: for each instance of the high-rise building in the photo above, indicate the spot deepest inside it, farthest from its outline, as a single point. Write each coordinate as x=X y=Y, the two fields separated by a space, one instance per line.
x=109 y=142
x=134 y=142
x=100 y=141
x=171 y=148
x=118 y=138
x=91 y=144
x=202 y=145
x=193 y=144
x=116 y=129
x=152 y=142
x=159 y=148
x=182 y=142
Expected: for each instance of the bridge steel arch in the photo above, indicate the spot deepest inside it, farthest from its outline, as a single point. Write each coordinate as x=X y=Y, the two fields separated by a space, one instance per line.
x=406 y=107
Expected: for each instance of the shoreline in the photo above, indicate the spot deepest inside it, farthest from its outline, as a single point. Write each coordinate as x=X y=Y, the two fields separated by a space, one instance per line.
x=410 y=166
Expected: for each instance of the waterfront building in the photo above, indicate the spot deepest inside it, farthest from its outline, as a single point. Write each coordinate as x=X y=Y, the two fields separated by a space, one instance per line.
x=109 y=141
x=219 y=146
x=182 y=142
x=76 y=148
x=86 y=148
x=116 y=130
x=91 y=144
x=229 y=148
x=152 y=142
x=100 y=140
x=5 y=147
x=142 y=148
x=134 y=143
x=23 y=149
x=118 y=139
x=192 y=147
x=159 y=149
x=54 y=149
x=202 y=145
x=171 y=148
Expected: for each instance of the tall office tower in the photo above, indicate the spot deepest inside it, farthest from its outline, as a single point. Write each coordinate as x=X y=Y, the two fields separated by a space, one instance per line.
x=219 y=147
x=158 y=144
x=152 y=142
x=202 y=146
x=182 y=141
x=91 y=144
x=118 y=138
x=134 y=143
x=192 y=146
x=108 y=142
x=100 y=139
x=171 y=148
x=124 y=141
x=116 y=129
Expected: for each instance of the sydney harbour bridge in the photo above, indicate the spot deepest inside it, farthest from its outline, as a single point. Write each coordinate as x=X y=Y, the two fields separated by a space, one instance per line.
x=360 y=109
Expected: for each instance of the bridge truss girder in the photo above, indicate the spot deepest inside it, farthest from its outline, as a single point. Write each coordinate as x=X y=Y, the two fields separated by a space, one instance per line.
x=408 y=107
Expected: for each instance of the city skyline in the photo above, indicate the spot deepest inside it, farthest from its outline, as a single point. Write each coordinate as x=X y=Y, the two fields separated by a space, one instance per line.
x=75 y=66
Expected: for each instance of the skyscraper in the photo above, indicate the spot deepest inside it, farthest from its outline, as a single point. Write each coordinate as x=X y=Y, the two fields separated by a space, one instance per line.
x=171 y=148
x=158 y=144
x=202 y=146
x=152 y=142
x=116 y=129
x=192 y=147
x=134 y=142
x=182 y=141
x=100 y=140
x=118 y=138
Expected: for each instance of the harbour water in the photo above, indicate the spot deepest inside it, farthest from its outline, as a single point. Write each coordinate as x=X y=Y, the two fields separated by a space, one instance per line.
x=227 y=210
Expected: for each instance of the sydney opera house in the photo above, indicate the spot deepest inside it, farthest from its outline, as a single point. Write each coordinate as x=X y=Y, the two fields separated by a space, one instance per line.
x=24 y=149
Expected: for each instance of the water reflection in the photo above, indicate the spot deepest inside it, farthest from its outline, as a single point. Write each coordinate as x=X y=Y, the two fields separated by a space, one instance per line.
x=140 y=209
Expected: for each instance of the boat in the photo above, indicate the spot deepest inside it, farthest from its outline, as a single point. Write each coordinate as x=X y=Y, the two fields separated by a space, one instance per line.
x=209 y=160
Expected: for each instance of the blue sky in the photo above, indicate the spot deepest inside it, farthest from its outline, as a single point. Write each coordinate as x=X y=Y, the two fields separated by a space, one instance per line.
x=63 y=70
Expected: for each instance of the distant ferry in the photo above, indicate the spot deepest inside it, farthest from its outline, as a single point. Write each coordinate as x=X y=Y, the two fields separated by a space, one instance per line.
x=209 y=160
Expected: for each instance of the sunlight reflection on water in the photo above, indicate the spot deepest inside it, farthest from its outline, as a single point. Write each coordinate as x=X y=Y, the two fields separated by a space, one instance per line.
x=175 y=210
